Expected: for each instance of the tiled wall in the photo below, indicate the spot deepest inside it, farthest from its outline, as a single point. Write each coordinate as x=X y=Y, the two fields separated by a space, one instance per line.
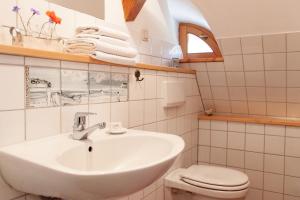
x=268 y=154
x=260 y=76
x=40 y=97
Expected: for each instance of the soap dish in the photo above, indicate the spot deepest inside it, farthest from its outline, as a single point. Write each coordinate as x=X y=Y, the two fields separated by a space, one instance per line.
x=117 y=131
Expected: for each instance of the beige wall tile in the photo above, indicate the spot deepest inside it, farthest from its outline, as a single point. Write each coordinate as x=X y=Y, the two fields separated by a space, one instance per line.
x=236 y=140
x=274 y=164
x=252 y=44
x=254 y=161
x=274 y=43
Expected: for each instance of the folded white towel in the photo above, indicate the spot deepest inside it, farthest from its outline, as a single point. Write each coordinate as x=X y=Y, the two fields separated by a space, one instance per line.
x=111 y=40
x=105 y=31
x=98 y=45
x=113 y=58
x=114 y=49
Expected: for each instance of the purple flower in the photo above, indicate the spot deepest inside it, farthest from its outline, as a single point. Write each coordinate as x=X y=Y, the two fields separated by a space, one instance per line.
x=16 y=9
x=35 y=11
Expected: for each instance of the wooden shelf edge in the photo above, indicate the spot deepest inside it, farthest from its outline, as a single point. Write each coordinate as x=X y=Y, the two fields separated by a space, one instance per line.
x=253 y=119
x=37 y=53
x=198 y=60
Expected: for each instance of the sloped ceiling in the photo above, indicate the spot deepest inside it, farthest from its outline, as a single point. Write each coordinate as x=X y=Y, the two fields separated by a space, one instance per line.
x=230 y=18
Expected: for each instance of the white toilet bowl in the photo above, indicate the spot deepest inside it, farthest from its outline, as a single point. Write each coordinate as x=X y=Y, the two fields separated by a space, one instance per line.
x=207 y=183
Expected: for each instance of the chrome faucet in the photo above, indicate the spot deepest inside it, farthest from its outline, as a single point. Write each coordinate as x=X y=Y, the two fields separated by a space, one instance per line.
x=80 y=132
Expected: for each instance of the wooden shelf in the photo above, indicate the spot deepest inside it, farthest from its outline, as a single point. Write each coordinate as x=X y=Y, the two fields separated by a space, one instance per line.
x=198 y=60
x=253 y=119
x=37 y=53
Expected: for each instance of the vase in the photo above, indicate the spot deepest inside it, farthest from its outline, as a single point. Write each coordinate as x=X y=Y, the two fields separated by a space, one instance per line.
x=41 y=43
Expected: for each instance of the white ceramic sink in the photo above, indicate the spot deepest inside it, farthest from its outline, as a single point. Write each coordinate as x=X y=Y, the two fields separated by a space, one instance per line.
x=117 y=165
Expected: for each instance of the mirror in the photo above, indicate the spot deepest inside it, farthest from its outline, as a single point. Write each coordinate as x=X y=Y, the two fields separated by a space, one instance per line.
x=95 y=8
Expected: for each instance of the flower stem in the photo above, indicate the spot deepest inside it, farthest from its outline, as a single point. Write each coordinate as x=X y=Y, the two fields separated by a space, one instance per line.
x=22 y=23
x=42 y=28
x=28 y=22
x=52 y=31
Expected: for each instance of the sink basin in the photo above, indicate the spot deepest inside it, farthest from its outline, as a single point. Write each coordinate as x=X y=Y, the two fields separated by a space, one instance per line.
x=102 y=167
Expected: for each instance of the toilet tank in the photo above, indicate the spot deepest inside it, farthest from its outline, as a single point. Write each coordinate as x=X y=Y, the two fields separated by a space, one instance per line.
x=173 y=93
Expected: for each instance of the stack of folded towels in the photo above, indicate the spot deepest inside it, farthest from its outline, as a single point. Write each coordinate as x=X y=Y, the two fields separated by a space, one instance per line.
x=102 y=43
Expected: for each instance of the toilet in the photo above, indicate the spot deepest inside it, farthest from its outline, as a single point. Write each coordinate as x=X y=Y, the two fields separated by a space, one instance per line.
x=201 y=182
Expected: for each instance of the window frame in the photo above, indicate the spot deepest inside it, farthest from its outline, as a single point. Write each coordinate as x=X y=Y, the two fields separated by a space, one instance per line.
x=184 y=30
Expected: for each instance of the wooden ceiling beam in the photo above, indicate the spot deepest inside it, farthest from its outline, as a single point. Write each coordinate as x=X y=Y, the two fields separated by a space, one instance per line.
x=132 y=8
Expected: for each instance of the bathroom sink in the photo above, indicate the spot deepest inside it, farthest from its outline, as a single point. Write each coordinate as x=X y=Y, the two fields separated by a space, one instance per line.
x=102 y=167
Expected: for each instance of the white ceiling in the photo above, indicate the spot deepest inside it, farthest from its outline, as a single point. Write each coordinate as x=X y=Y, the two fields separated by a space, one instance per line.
x=229 y=18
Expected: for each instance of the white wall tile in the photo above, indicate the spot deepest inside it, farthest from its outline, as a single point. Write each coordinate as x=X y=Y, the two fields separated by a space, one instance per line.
x=12 y=133
x=254 y=161
x=292 y=166
x=74 y=65
x=236 y=127
x=231 y=46
x=10 y=59
x=136 y=113
x=254 y=142
x=218 y=125
x=235 y=158
x=150 y=111
x=203 y=154
x=215 y=66
x=274 y=43
x=42 y=122
x=220 y=93
x=219 y=138
x=150 y=86
x=252 y=45
x=292 y=147
x=255 y=128
x=29 y=61
x=257 y=108
x=204 y=124
x=254 y=194
x=274 y=145
x=293 y=79
x=217 y=78
x=204 y=137
x=218 y=156
x=13 y=95
x=272 y=196
x=255 y=79
x=275 y=130
x=233 y=63
x=293 y=42
x=236 y=140
x=253 y=62
x=292 y=131
x=276 y=94
x=273 y=182
x=276 y=79
x=256 y=93
x=235 y=78
x=274 y=164
x=256 y=178
x=275 y=61
x=202 y=78
x=291 y=186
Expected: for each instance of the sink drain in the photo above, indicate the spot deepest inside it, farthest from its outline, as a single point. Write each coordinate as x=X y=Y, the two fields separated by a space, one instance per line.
x=90 y=149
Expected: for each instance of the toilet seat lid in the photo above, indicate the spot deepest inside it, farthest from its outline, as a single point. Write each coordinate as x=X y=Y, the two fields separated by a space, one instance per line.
x=215 y=176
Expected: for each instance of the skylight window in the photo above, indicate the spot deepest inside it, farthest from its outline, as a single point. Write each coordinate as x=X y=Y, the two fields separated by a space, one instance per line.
x=197 y=45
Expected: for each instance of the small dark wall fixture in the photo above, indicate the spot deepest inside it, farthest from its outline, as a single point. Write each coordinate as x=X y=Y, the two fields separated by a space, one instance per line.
x=137 y=75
